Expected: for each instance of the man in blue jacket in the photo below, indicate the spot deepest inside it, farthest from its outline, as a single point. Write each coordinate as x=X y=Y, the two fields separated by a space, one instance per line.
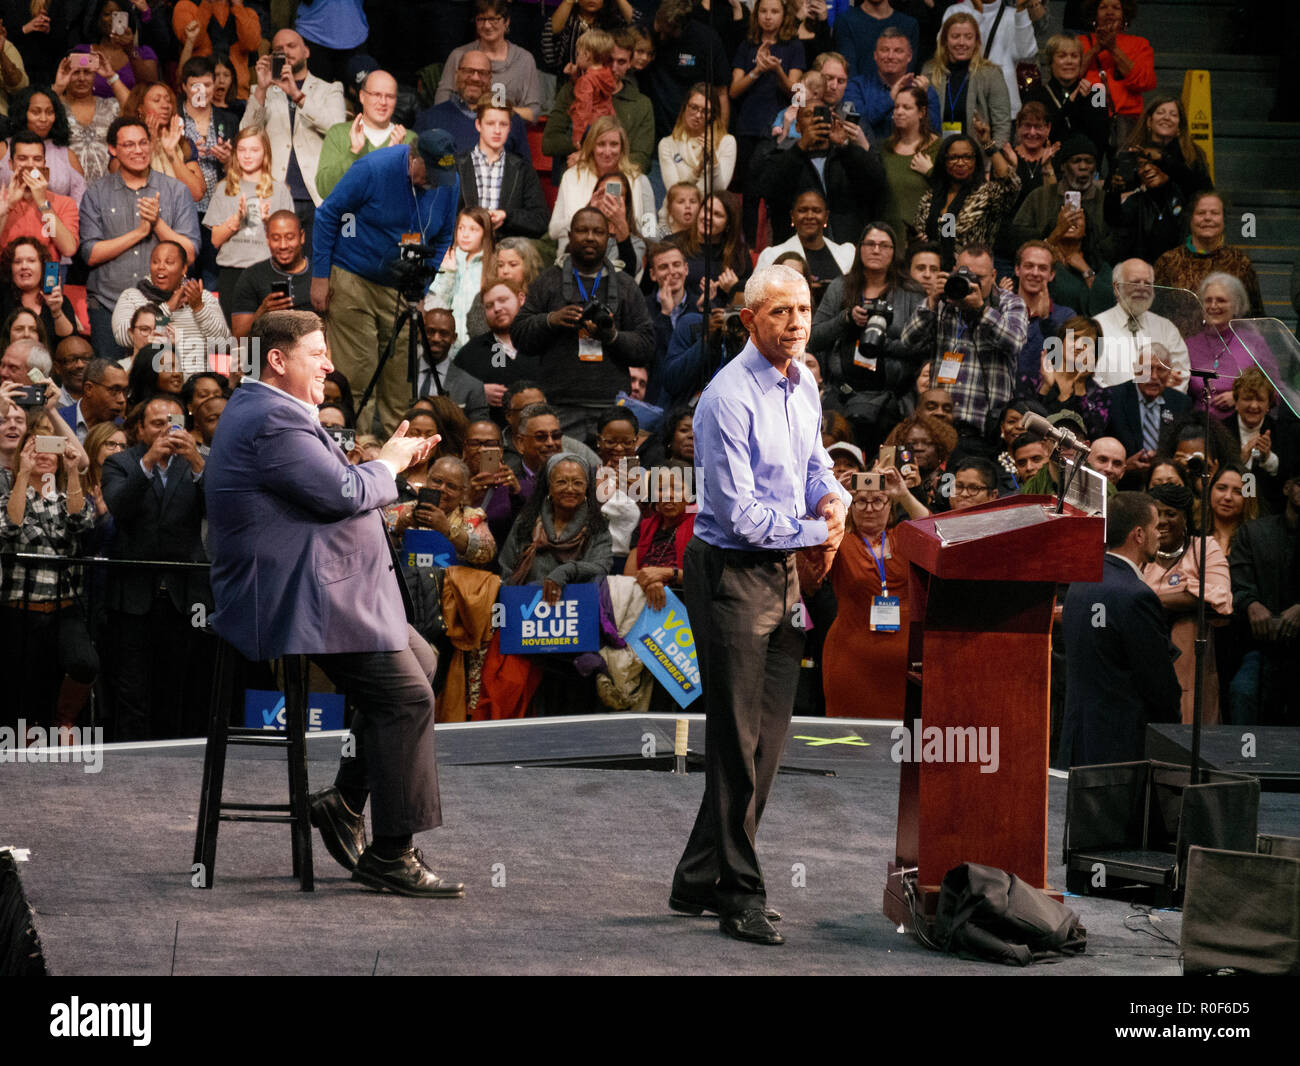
x=405 y=194
x=301 y=566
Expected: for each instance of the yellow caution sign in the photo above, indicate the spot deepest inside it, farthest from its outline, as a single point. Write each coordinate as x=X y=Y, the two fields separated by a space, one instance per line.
x=1196 y=102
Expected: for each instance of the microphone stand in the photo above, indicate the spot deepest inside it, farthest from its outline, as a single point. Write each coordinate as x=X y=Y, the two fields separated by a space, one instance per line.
x=1201 y=644
x=707 y=306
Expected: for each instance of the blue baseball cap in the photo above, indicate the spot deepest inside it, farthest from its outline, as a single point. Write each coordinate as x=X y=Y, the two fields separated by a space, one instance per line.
x=438 y=151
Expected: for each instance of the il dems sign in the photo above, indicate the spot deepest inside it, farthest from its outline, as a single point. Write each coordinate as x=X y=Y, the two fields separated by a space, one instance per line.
x=532 y=626
x=664 y=642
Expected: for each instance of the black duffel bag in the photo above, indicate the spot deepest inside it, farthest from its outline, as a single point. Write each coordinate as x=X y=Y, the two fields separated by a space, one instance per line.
x=987 y=913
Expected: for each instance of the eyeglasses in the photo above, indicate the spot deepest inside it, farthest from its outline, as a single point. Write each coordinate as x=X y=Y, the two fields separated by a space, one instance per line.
x=964 y=489
x=112 y=390
x=955 y=158
x=875 y=503
x=488 y=20
x=878 y=246
x=542 y=436
x=695 y=109
x=476 y=72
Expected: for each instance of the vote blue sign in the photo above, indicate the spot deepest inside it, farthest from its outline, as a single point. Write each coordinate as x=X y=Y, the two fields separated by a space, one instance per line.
x=265 y=710
x=532 y=626
x=427 y=547
x=663 y=641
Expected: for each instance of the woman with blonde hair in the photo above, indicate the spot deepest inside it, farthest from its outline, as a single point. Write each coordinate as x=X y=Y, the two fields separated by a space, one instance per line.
x=681 y=153
x=973 y=97
x=236 y=217
x=605 y=148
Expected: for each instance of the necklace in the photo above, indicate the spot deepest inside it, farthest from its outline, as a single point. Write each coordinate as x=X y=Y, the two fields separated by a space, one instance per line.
x=1169 y=558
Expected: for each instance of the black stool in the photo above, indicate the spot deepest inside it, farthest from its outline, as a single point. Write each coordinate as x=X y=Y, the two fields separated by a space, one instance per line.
x=212 y=809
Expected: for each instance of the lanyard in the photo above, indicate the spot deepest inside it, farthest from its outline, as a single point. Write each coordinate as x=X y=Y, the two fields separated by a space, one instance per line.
x=879 y=560
x=947 y=89
x=595 y=285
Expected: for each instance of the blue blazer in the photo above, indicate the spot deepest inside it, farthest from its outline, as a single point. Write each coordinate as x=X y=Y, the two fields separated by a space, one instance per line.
x=300 y=558
x=1119 y=668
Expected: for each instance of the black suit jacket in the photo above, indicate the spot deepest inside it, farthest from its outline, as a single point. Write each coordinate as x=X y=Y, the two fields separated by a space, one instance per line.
x=854 y=188
x=1120 y=672
x=521 y=196
x=154 y=522
x=1125 y=423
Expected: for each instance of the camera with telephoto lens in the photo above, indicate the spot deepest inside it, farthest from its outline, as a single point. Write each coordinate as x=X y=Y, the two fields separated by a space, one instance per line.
x=960 y=284
x=598 y=316
x=880 y=313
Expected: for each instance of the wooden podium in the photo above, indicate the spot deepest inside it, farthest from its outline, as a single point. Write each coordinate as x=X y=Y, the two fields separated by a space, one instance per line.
x=982 y=589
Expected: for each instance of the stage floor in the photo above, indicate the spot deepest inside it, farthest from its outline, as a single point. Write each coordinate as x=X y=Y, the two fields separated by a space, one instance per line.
x=567 y=869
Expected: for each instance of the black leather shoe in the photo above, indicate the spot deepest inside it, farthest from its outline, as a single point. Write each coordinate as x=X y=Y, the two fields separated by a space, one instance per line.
x=343 y=832
x=407 y=875
x=687 y=905
x=752 y=926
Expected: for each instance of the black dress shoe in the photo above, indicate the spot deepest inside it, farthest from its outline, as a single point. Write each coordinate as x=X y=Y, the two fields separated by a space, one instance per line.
x=751 y=925
x=343 y=832
x=407 y=875
x=688 y=905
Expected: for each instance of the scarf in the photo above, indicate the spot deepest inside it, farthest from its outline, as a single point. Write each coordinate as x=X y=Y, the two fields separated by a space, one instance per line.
x=545 y=539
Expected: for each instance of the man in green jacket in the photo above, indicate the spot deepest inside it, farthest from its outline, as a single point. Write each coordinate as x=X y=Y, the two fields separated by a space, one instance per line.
x=346 y=142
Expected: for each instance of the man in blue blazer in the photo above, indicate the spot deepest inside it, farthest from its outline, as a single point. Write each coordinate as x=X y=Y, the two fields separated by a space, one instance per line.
x=1120 y=673
x=301 y=565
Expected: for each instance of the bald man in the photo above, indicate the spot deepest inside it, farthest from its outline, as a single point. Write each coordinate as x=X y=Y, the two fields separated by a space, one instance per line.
x=1108 y=458
x=297 y=109
x=346 y=142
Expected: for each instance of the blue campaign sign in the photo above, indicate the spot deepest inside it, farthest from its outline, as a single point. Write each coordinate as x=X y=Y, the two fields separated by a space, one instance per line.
x=664 y=642
x=265 y=710
x=427 y=547
x=532 y=626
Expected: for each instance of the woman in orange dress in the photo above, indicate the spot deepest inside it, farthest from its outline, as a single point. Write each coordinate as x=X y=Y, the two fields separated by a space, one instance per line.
x=864 y=664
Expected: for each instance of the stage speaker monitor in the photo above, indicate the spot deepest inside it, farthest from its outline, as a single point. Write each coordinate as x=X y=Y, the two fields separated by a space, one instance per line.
x=1241 y=913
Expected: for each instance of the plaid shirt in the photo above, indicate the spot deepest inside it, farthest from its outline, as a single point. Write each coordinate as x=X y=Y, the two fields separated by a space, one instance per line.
x=46 y=529
x=488 y=178
x=990 y=344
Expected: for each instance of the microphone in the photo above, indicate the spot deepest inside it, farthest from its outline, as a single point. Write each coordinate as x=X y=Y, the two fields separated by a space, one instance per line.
x=1035 y=423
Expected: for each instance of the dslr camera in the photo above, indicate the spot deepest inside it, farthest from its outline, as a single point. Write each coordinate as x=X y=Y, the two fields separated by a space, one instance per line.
x=960 y=284
x=599 y=316
x=880 y=313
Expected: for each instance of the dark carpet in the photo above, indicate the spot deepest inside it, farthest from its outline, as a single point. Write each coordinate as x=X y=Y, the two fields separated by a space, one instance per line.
x=566 y=869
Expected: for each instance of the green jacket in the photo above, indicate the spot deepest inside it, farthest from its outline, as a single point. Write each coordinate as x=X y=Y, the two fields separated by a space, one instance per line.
x=631 y=106
x=336 y=155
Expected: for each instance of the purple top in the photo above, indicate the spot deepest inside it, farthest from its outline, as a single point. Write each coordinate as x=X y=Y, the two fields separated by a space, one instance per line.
x=102 y=88
x=1204 y=350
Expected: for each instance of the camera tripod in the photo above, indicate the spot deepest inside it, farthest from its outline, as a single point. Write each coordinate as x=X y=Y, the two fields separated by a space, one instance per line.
x=413 y=319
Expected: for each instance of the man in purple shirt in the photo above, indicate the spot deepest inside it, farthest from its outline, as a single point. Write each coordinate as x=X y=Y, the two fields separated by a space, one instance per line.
x=766 y=488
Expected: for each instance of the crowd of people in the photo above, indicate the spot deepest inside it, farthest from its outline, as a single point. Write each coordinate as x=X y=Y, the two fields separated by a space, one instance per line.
x=993 y=221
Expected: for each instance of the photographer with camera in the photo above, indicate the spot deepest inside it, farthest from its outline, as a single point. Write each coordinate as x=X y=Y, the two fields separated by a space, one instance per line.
x=976 y=331
x=850 y=177
x=387 y=224
x=686 y=366
x=587 y=322
x=857 y=334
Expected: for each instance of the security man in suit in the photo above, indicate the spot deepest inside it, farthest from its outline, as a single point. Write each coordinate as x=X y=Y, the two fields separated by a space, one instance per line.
x=154 y=492
x=301 y=565
x=1121 y=661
